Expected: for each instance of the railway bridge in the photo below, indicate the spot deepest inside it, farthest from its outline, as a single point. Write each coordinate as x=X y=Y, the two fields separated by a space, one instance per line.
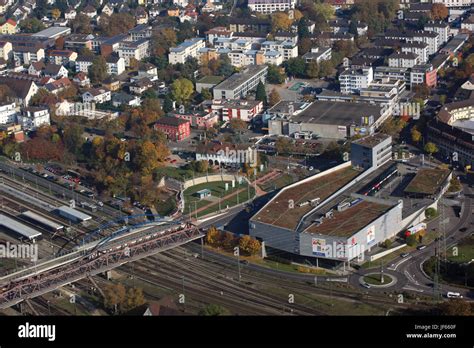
x=94 y=258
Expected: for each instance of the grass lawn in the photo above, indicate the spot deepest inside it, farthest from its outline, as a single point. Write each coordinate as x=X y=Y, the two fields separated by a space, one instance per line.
x=375 y=279
x=465 y=251
x=217 y=190
x=278 y=183
x=175 y=173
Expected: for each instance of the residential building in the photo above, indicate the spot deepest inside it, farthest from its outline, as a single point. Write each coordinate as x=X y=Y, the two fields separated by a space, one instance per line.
x=23 y=90
x=240 y=84
x=5 y=50
x=429 y=37
x=27 y=54
x=82 y=79
x=140 y=86
x=121 y=98
x=288 y=49
x=70 y=14
x=403 y=60
x=83 y=63
x=62 y=57
x=352 y=80
x=423 y=74
x=115 y=65
x=454 y=3
x=440 y=27
x=244 y=110
x=76 y=42
x=34 y=117
x=176 y=129
x=8 y=113
x=9 y=27
x=270 y=6
x=97 y=95
x=137 y=50
x=188 y=49
x=418 y=48
x=199 y=119
x=89 y=11
x=318 y=54
x=55 y=71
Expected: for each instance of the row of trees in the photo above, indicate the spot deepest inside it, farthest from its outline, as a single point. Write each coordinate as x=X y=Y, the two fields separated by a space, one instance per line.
x=226 y=240
x=120 y=300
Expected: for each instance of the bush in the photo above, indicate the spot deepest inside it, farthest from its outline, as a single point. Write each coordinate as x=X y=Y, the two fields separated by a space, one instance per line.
x=431 y=213
x=411 y=240
x=387 y=243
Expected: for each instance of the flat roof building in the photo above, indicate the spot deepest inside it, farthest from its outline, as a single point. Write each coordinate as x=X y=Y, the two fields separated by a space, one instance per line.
x=240 y=84
x=53 y=32
x=327 y=119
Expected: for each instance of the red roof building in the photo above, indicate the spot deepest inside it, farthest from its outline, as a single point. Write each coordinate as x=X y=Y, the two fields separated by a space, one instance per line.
x=175 y=129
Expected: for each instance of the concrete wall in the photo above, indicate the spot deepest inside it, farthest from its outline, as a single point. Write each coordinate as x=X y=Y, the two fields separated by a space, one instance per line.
x=212 y=178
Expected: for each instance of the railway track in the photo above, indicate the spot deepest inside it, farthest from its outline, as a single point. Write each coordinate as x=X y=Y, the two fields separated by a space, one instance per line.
x=195 y=278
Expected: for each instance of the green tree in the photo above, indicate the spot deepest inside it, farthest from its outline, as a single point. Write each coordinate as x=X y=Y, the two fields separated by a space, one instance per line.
x=182 y=89
x=312 y=69
x=81 y=24
x=73 y=138
x=431 y=148
x=206 y=94
x=439 y=11
x=274 y=97
x=325 y=68
x=134 y=298
x=31 y=25
x=442 y=99
x=275 y=75
x=114 y=297
x=213 y=310
x=324 y=10
x=430 y=213
x=98 y=70
x=261 y=94
x=411 y=240
x=213 y=236
x=167 y=104
x=117 y=23
x=295 y=67
x=237 y=125
x=415 y=135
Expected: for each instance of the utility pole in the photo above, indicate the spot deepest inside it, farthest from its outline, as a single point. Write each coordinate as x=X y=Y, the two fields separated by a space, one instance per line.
x=202 y=248
x=381 y=273
x=237 y=253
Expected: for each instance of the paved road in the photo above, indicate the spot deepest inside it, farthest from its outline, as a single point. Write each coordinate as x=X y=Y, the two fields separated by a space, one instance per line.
x=409 y=271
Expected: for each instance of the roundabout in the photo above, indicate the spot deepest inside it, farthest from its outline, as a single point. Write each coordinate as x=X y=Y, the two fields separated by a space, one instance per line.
x=375 y=279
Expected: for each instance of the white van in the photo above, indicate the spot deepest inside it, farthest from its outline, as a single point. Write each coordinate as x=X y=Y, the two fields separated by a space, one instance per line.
x=453 y=295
